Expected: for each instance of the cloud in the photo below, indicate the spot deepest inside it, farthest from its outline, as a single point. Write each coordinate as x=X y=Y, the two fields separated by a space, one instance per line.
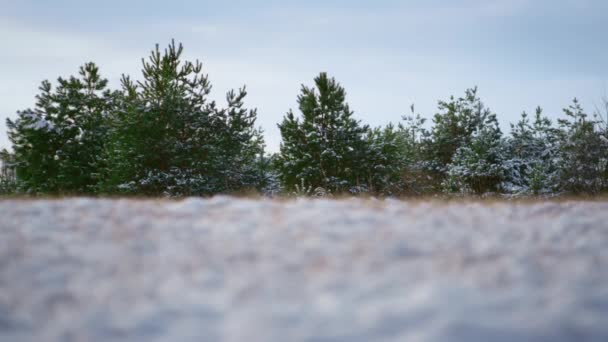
x=385 y=53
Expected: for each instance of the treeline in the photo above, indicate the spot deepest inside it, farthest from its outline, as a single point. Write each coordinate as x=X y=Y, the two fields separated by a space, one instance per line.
x=163 y=136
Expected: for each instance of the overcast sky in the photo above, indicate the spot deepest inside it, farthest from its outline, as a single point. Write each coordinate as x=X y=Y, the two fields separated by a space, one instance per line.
x=387 y=54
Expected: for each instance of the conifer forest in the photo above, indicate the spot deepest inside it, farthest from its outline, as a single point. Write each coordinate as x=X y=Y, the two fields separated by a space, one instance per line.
x=159 y=134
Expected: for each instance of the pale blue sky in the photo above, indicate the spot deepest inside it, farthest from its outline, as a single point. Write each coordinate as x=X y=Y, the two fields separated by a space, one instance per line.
x=387 y=54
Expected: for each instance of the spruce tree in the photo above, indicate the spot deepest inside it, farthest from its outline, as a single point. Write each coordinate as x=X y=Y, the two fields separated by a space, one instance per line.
x=327 y=147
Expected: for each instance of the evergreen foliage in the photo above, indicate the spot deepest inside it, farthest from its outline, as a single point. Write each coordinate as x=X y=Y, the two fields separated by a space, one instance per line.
x=583 y=152
x=415 y=145
x=464 y=146
x=478 y=166
x=383 y=162
x=454 y=126
x=168 y=138
x=8 y=181
x=162 y=135
x=533 y=151
x=58 y=144
x=327 y=148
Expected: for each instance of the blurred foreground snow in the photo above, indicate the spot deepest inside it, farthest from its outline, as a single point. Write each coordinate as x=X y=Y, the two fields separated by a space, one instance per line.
x=308 y=270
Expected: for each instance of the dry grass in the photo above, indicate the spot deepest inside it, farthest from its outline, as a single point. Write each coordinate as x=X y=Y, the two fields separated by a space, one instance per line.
x=438 y=198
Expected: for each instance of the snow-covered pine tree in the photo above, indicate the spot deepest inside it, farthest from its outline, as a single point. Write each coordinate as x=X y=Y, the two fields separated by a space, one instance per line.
x=327 y=148
x=601 y=119
x=583 y=165
x=384 y=162
x=532 y=152
x=415 y=149
x=35 y=142
x=168 y=138
x=267 y=166
x=464 y=124
x=294 y=160
x=478 y=166
x=238 y=162
x=58 y=144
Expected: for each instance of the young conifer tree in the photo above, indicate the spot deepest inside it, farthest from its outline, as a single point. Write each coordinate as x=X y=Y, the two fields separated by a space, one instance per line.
x=583 y=162
x=466 y=144
x=57 y=145
x=384 y=162
x=478 y=166
x=326 y=147
x=169 y=138
x=455 y=124
x=532 y=150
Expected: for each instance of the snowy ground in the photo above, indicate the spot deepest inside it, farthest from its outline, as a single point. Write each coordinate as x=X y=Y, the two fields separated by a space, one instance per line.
x=307 y=270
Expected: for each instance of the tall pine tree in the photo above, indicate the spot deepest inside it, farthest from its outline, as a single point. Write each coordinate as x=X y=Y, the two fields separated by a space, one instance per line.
x=169 y=138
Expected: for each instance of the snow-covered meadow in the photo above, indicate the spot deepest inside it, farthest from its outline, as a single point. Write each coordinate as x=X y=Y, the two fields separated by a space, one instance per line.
x=225 y=269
